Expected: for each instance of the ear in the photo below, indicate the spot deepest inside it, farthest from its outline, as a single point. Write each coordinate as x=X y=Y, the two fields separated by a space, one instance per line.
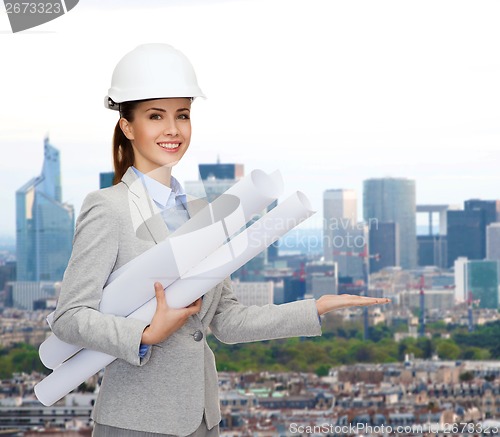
x=126 y=128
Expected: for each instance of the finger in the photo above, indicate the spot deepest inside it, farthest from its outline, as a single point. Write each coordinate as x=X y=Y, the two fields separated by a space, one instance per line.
x=380 y=300
x=196 y=302
x=160 y=294
x=373 y=301
x=195 y=306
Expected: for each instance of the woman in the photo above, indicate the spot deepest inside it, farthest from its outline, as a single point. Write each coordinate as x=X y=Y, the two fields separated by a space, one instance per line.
x=164 y=381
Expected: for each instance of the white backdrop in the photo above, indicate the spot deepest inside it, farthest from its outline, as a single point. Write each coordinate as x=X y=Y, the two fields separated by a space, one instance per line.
x=329 y=92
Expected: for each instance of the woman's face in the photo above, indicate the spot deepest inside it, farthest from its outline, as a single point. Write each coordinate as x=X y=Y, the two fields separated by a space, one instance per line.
x=160 y=133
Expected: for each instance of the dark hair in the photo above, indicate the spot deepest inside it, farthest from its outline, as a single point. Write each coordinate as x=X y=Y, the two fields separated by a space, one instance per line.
x=123 y=153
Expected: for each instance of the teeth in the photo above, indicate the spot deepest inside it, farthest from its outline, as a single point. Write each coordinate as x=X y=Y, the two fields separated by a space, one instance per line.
x=169 y=146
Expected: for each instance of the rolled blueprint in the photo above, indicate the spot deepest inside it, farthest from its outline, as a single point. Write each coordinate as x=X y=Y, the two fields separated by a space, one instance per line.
x=132 y=285
x=197 y=282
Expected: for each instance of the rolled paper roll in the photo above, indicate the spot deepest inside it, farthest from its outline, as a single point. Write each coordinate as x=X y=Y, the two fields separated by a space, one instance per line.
x=70 y=375
x=237 y=252
x=130 y=286
x=207 y=274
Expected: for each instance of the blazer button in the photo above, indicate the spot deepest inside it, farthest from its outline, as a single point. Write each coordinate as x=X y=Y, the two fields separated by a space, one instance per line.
x=198 y=335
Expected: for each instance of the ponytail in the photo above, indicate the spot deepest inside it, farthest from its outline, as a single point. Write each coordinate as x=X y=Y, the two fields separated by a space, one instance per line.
x=123 y=153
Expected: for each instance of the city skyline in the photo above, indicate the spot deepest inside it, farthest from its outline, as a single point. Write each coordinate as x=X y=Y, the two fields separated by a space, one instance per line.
x=315 y=222
x=331 y=93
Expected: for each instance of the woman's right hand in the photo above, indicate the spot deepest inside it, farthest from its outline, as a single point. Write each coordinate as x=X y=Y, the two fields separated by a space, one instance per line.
x=167 y=320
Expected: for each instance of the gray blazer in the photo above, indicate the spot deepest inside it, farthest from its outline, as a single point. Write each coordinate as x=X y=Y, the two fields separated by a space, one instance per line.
x=170 y=389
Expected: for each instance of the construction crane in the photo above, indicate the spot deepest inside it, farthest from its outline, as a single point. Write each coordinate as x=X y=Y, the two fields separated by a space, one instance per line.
x=422 y=306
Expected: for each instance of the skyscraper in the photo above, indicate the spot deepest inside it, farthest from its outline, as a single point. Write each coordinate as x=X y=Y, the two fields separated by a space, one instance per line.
x=394 y=200
x=106 y=179
x=460 y=269
x=490 y=208
x=432 y=246
x=467 y=229
x=214 y=180
x=44 y=224
x=221 y=171
x=482 y=282
x=493 y=241
x=341 y=232
x=384 y=241
x=467 y=232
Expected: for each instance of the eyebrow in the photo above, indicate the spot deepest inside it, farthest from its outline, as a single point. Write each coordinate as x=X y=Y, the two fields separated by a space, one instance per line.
x=163 y=110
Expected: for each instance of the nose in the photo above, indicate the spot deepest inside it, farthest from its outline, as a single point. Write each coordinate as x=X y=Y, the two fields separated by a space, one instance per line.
x=171 y=128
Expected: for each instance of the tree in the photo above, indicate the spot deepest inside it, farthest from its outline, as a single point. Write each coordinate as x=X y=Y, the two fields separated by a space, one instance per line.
x=448 y=350
x=466 y=376
x=322 y=370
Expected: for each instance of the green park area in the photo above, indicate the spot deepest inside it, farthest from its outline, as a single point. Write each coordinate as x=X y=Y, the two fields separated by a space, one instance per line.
x=341 y=343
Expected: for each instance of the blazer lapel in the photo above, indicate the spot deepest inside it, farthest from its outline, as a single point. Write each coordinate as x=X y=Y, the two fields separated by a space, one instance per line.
x=146 y=217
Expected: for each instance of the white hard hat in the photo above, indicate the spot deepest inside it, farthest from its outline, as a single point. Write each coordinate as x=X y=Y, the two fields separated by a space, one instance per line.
x=152 y=71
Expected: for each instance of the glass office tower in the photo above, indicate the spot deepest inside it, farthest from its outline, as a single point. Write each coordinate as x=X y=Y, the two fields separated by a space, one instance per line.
x=393 y=200
x=44 y=225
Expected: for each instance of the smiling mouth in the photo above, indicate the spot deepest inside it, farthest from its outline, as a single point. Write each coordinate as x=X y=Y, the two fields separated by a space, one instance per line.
x=169 y=146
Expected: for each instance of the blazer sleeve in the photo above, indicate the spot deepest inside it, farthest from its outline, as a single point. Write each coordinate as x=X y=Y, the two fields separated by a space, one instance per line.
x=77 y=319
x=234 y=322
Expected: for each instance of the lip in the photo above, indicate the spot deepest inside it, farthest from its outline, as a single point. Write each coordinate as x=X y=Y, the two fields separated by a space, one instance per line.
x=170 y=142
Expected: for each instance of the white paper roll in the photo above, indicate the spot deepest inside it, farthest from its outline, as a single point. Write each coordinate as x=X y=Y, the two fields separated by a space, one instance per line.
x=130 y=286
x=71 y=374
x=202 y=278
x=241 y=249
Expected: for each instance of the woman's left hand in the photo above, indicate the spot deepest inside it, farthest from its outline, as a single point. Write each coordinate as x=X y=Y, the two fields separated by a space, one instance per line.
x=330 y=302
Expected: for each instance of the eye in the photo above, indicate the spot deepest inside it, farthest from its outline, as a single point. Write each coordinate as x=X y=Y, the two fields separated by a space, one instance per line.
x=184 y=116
x=155 y=116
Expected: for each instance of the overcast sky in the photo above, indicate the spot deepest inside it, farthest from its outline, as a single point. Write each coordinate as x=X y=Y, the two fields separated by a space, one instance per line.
x=329 y=92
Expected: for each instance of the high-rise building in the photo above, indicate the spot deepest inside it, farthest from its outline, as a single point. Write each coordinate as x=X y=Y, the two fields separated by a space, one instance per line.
x=44 y=224
x=493 y=241
x=432 y=250
x=433 y=245
x=7 y=273
x=394 y=200
x=482 y=282
x=478 y=280
x=22 y=295
x=214 y=180
x=460 y=265
x=467 y=228
x=465 y=235
x=293 y=289
x=343 y=236
x=321 y=278
x=384 y=242
x=490 y=208
x=221 y=171
x=106 y=179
